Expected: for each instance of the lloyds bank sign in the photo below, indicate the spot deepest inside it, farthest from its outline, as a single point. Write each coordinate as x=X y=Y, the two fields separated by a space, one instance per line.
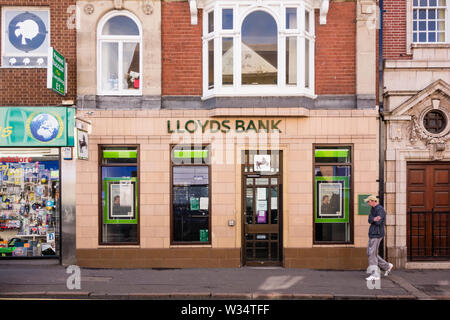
x=224 y=126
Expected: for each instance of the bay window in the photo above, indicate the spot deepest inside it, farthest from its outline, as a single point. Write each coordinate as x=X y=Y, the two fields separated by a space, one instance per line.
x=258 y=49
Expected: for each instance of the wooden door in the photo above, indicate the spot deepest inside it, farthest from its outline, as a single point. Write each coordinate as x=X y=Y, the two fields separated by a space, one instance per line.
x=428 y=205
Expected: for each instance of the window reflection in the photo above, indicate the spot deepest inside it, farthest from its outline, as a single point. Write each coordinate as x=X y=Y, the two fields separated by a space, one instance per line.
x=120 y=26
x=259 y=49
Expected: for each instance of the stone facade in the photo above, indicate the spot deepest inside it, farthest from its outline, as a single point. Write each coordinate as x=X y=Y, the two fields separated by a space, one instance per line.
x=416 y=80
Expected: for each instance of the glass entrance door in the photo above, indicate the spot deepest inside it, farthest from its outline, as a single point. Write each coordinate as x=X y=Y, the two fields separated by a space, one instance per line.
x=262 y=209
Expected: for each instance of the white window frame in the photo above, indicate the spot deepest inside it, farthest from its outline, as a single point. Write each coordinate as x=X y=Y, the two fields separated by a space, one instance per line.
x=277 y=9
x=24 y=55
x=411 y=8
x=120 y=39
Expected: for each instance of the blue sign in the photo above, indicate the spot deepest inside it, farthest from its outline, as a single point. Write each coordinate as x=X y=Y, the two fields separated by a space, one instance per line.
x=27 y=32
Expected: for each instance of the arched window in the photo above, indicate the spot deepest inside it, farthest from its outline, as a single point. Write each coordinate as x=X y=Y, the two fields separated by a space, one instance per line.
x=119 y=58
x=259 y=49
x=266 y=49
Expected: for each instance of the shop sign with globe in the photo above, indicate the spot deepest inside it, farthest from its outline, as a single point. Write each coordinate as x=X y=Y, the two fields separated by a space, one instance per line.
x=45 y=127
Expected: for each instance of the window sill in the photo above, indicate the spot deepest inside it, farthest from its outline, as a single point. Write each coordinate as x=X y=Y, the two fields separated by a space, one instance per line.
x=430 y=45
x=333 y=245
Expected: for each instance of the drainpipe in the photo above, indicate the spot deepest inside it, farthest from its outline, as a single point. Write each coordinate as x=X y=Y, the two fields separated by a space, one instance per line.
x=382 y=122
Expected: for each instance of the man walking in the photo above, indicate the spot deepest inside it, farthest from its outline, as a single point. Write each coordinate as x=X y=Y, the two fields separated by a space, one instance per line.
x=377 y=219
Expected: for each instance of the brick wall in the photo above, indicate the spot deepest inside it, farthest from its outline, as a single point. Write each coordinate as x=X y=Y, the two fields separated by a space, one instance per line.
x=394 y=30
x=181 y=50
x=335 y=50
x=27 y=87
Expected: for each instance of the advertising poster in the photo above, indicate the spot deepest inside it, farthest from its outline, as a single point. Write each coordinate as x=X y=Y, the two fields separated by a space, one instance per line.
x=332 y=199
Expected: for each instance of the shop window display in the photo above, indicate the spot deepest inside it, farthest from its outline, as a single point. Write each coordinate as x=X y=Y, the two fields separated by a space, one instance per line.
x=30 y=205
x=190 y=195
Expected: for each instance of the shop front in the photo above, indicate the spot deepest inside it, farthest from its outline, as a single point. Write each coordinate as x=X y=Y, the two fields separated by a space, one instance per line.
x=192 y=189
x=32 y=174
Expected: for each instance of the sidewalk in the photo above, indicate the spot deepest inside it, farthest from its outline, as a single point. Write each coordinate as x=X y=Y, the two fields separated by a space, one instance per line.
x=50 y=281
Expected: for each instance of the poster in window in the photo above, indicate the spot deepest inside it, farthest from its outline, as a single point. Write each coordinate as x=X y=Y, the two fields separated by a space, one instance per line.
x=332 y=197
x=261 y=162
x=120 y=200
x=82 y=144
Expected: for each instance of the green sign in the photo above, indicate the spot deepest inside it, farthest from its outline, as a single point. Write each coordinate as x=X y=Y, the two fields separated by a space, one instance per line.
x=37 y=126
x=56 y=72
x=363 y=207
x=204 y=237
x=119 y=154
x=195 y=204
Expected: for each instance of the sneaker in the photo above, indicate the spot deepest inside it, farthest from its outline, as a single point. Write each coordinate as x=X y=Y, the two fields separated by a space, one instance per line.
x=372 y=278
x=391 y=266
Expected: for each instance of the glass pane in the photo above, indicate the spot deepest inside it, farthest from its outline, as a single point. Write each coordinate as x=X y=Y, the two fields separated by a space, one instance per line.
x=291 y=60
x=211 y=64
x=441 y=37
x=307 y=22
x=441 y=25
x=250 y=181
x=30 y=207
x=422 y=37
x=227 y=19
x=131 y=65
x=110 y=63
x=416 y=3
x=190 y=154
x=227 y=61
x=261 y=181
x=119 y=204
x=291 y=18
x=190 y=213
x=262 y=202
x=433 y=3
x=431 y=14
x=249 y=206
x=119 y=155
x=333 y=154
x=431 y=25
x=432 y=37
x=190 y=175
x=334 y=232
x=274 y=205
x=211 y=22
x=423 y=3
x=259 y=49
x=306 y=63
x=422 y=25
x=441 y=14
x=274 y=251
x=120 y=26
x=422 y=14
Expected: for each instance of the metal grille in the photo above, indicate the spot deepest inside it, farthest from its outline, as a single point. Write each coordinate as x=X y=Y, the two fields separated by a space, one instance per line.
x=428 y=235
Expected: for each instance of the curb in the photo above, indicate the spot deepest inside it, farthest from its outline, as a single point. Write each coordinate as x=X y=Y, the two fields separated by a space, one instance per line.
x=205 y=296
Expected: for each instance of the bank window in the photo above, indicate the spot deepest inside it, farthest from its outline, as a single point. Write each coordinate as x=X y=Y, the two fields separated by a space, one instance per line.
x=119 y=57
x=430 y=21
x=332 y=194
x=191 y=223
x=30 y=207
x=25 y=37
x=258 y=50
x=119 y=210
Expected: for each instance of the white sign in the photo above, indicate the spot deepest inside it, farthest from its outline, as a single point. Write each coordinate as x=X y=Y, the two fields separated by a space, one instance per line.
x=25 y=37
x=261 y=162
